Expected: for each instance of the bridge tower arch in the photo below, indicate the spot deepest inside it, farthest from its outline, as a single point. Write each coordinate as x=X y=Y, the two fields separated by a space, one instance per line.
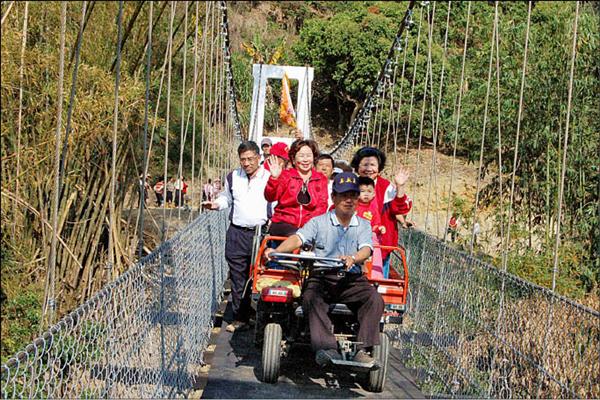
x=261 y=73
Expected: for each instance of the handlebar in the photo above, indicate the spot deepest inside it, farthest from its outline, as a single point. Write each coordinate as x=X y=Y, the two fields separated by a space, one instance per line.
x=327 y=262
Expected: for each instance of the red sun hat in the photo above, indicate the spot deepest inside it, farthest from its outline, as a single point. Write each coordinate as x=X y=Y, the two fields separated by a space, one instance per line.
x=280 y=149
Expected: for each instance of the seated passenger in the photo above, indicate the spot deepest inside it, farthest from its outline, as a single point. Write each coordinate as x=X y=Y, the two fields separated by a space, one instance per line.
x=325 y=166
x=339 y=233
x=280 y=151
x=367 y=209
x=391 y=199
x=300 y=191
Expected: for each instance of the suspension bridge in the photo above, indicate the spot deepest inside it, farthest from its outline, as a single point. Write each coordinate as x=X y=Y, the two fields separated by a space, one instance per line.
x=148 y=325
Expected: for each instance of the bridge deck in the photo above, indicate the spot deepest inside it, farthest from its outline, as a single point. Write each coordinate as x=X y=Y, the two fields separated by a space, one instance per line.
x=235 y=368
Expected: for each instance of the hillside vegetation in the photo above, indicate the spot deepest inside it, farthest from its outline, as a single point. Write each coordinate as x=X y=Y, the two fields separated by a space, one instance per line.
x=346 y=43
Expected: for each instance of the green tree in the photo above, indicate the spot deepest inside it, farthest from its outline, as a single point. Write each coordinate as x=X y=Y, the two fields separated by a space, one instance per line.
x=347 y=51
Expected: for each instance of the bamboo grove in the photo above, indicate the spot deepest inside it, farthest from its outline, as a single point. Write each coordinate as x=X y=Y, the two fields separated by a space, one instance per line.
x=184 y=110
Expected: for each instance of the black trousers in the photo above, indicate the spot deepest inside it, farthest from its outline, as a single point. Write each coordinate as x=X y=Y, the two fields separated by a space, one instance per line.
x=238 y=253
x=179 y=198
x=282 y=229
x=357 y=293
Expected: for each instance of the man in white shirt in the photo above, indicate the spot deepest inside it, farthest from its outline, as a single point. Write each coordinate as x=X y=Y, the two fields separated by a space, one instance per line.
x=244 y=193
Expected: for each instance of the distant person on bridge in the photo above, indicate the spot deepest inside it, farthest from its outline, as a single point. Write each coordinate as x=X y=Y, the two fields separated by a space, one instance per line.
x=218 y=188
x=208 y=191
x=300 y=192
x=244 y=188
x=476 y=231
x=265 y=146
x=339 y=233
x=144 y=187
x=453 y=227
x=159 y=189
x=180 y=191
x=391 y=200
x=170 y=190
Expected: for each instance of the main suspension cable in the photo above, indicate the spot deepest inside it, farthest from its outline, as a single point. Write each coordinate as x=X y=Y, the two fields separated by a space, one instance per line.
x=412 y=89
x=517 y=136
x=458 y=114
x=423 y=106
x=396 y=123
x=563 y=171
x=483 y=131
x=435 y=128
x=167 y=123
x=50 y=301
x=112 y=233
x=16 y=209
x=183 y=130
x=145 y=155
x=194 y=107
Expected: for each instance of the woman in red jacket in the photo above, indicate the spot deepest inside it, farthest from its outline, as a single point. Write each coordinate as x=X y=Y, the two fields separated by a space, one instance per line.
x=300 y=191
x=391 y=200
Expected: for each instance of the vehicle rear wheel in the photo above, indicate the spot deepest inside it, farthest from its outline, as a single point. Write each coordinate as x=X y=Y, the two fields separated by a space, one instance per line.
x=380 y=353
x=271 y=353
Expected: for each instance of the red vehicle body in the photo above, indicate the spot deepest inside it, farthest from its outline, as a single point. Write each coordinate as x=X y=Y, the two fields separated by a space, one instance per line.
x=277 y=298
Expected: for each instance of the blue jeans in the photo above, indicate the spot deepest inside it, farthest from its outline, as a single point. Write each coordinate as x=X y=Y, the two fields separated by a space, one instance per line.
x=386 y=266
x=272 y=244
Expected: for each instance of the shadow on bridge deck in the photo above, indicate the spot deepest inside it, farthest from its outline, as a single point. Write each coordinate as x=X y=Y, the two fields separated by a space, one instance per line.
x=235 y=368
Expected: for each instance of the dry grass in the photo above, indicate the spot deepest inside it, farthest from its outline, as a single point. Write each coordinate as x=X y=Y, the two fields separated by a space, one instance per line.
x=533 y=336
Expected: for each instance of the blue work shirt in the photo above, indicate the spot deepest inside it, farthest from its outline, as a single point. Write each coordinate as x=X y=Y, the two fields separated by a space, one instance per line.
x=332 y=239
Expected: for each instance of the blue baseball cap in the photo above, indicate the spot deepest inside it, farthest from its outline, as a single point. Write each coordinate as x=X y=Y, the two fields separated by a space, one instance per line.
x=345 y=182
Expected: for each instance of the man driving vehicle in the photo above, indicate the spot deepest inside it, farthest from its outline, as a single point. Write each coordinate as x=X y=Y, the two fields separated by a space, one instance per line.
x=339 y=233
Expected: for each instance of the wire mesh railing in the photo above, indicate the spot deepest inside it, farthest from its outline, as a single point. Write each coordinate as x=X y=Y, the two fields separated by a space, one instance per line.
x=472 y=330
x=142 y=336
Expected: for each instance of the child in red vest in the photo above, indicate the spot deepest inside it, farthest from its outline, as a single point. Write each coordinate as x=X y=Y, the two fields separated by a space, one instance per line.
x=367 y=209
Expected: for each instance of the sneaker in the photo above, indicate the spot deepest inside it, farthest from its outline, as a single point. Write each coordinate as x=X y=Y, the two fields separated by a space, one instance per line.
x=363 y=357
x=236 y=326
x=324 y=357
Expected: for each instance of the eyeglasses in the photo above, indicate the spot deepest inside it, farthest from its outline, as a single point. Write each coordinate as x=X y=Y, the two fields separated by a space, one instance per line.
x=303 y=197
x=248 y=159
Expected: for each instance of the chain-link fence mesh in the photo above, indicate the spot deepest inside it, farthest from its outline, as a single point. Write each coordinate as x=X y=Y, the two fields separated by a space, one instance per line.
x=472 y=330
x=142 y=336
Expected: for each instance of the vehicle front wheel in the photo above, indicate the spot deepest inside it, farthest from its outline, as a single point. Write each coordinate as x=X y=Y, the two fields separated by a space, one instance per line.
x=380 y=353
x=271 y=353
x=259 y=326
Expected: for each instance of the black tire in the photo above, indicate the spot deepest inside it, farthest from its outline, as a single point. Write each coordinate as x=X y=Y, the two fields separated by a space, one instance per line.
x=259 y=326
x=271 y=353
x=380 y=353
